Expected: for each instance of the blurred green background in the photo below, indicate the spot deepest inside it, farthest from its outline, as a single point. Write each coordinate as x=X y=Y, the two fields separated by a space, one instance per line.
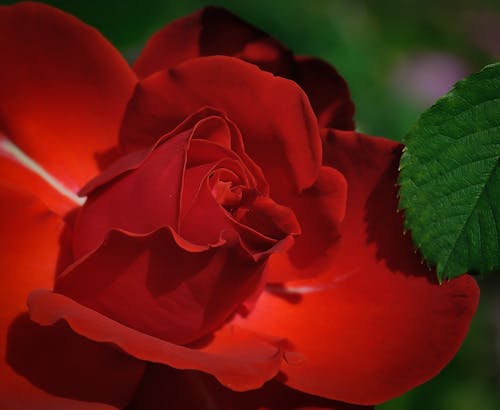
x=397 y=57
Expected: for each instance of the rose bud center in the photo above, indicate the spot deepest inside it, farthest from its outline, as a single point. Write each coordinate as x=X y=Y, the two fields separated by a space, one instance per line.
x=181 y=230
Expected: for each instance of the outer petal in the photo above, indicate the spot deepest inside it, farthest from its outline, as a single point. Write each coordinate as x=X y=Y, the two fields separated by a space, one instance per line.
x=381 y=324
x=164 y=387
x=63 y=89
x=327 y=91
x=14 y=175
x=278 y=125
x=212 y=31
x=238 y=359
x=47 y=367
x=215 y=31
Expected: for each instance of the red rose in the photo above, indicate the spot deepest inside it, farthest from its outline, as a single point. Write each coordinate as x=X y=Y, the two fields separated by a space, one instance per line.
x=234 y=226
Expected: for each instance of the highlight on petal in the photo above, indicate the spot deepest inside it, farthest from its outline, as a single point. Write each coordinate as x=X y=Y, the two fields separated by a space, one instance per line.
x=63 y=90
x=164 y=387
x=52 y=367
x=270 y=112
x=239 y=359
x=380 y=320
x=212 y=31
x=15 y=174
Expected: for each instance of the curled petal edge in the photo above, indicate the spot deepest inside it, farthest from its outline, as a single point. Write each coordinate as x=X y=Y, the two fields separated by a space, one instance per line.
x=238 y=359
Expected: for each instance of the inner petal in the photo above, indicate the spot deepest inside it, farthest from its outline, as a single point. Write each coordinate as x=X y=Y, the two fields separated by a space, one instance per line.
x=226 y=194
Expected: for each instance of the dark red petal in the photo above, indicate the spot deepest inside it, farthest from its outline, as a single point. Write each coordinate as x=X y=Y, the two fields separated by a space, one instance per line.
x=139 y=154
x=238 y=359
x=278 y=125
x=212 y=31
x=140 y=202
x=156 y=187
x=260 y=227
x=203 y=219
x=327 y=92
x=215 y=31
x=320 y=210
x=63 y=90
x=49 y=368
x=220 y=130
x=381 y=324
x=140 y=192
x=163 y=387
x=160 y=285
x=269 y=218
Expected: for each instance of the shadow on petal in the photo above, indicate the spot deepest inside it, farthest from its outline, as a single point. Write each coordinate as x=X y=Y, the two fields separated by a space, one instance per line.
x=164 y=387
x=384 y=226
x=64 y=364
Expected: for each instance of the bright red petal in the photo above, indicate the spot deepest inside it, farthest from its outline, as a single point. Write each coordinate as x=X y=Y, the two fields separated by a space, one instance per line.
x=238 y=359
x=15 y=175
x=212 y=31
x=63 y=90
x=163 y=387
x=327 y=91
x=381 y=324
x=50 y=368
x=278 y=125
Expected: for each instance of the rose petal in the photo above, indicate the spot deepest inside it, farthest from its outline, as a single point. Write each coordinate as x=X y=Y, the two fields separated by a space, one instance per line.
x=327 y=92
x=14 y=175
x=216 y=31
x=63 y=89
x=381 y=321
x=39 y=367
x=132 y=161
x=139 y=202
x=277 y=123
x=164 y=387
x=157 y=184
x=260 y=226
x=320 y=210
x=237 y=358
x=180 y=162
x=201 y=206
x=172 y=291
x=212 y=31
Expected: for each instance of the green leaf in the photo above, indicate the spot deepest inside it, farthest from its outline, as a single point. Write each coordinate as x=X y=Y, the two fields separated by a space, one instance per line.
x=450 y=178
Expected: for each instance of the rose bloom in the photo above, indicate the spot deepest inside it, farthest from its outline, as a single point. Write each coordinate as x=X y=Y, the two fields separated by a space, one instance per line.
x=239 y=245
